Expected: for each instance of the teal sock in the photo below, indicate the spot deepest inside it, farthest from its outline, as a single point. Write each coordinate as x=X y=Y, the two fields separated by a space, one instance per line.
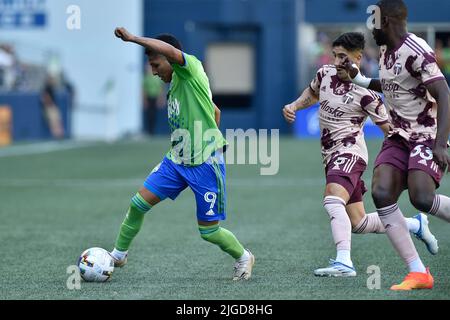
x=132 y=223
x=223 y=238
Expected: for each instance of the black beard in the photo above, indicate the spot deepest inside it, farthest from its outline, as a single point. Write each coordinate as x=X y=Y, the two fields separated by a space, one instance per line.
x=380 y=39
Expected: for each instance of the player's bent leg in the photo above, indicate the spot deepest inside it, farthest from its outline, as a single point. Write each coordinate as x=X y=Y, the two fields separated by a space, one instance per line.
x=421 y=188
x=424 y=176
x=424 y=234
x=226 y=240
x=371 y=223
x=422 y=193
x=356 y=213
x=336 y=197
x=334 y=203
x=387 y=185
x=441 y=207
x=207 y=181
x=140 y=204
x=149 y=196
x=363 y=223
x=336 y=190
x=163 y=181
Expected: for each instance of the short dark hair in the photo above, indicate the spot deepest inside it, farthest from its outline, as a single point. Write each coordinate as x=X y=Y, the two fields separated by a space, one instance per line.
x=350 y=41
x=393 y=8
x=167 y=38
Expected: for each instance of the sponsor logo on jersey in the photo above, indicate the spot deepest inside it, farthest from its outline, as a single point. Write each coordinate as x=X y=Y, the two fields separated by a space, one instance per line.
x=348 y=98
x=397 y=68
x=387 y=86
x=336 y=112
x=173 y=107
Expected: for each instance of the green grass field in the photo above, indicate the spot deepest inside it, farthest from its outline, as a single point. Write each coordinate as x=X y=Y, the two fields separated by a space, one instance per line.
x=55 y=205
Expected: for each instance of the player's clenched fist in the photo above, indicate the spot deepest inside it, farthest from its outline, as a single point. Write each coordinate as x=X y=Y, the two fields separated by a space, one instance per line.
x=123 y=34
x=289 y=113
x=441 y=158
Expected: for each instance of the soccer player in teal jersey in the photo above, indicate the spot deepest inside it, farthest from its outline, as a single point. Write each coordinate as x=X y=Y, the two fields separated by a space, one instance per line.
x=195 y=159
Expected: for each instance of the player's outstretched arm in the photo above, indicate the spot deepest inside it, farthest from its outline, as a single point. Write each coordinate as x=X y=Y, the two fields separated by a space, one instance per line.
x=348 y=69
x=307 y=99
x=172 y=54
x=375 y=85
x=441 y=93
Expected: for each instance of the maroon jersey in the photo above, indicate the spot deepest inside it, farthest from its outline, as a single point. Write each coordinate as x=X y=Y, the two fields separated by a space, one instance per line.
x=404 y=72
x=344 y=108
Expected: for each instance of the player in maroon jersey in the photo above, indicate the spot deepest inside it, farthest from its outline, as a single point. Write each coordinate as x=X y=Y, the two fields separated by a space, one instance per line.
x=344 y=108
x=414 y=155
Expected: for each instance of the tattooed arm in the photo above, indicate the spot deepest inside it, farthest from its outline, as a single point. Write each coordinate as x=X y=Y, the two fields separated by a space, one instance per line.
x=307 y=99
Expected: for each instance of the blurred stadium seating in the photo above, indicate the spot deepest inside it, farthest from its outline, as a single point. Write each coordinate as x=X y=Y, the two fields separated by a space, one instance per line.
x=261 y=70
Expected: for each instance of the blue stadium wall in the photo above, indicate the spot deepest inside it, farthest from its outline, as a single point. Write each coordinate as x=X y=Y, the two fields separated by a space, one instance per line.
x=28 y=121
x=269 y=25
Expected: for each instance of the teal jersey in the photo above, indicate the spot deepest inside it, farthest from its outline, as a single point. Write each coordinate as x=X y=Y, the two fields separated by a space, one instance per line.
x=194 y=132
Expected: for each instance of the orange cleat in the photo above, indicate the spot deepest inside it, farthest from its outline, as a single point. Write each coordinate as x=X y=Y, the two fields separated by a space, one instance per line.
x=416 y=280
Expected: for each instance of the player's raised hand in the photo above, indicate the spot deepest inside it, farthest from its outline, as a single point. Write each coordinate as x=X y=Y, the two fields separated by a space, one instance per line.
x=123 y=34
x=441 y=157
x=289 y=113
x=342 y=73
x=347 y=70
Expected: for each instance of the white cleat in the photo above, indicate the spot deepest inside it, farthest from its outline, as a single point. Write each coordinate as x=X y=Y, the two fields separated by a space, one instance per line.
x=424 y=234
x=243 y=269
x=119 y=263
x=335 y=269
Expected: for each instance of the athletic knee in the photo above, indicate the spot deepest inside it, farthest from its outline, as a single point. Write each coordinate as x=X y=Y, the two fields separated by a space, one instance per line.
x=382 y=196
x=208 y=233
x=356 y=221
x=205 y=236
x=138 y=203
x=149 y=197
x=422 y=201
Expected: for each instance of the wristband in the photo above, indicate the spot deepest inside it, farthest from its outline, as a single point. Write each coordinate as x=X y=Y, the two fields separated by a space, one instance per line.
x=360 y=80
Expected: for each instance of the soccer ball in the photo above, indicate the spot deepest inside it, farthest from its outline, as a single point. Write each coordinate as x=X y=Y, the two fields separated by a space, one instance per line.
x=96 y=265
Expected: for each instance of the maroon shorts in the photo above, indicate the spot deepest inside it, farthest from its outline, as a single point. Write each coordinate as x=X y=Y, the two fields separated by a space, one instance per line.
x=407 y=156
x=346 y=170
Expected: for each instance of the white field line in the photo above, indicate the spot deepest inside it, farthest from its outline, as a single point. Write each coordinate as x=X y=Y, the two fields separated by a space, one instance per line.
x=41 y=148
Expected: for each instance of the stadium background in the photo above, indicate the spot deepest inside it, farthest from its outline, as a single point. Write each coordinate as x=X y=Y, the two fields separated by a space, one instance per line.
x=59 y=197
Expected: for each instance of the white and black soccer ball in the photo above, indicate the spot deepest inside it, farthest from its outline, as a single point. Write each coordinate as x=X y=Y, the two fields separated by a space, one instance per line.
x=96 y=265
